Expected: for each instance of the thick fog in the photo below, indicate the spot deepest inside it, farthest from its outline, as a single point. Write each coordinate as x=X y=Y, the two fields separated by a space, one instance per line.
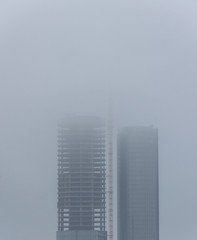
x=66 y=57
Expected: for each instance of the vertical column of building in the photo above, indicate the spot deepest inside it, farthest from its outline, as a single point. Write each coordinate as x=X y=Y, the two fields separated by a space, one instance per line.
x=110 y=174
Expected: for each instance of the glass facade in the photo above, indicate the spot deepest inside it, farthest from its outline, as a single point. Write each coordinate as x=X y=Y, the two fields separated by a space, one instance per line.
x=138 y=205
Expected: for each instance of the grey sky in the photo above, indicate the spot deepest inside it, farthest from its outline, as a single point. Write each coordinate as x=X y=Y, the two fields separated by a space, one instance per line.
x=59 y=58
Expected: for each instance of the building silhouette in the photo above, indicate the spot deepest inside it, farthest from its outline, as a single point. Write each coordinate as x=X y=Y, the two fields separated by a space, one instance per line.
x=138 y=205
x=81 y=179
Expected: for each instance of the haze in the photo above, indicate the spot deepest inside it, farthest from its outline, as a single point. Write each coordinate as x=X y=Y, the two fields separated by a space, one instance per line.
x=64 y=57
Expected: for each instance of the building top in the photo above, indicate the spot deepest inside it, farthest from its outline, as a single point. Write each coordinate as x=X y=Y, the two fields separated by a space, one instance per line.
x=138 y=129
x=83 y=121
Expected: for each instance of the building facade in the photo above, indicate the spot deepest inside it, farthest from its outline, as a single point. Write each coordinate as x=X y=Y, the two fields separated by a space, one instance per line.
x=138 y=192
x=81 y=179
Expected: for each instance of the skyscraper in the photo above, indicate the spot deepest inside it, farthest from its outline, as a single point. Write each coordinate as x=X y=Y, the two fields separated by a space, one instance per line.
x=81 y=179
x=138 y=205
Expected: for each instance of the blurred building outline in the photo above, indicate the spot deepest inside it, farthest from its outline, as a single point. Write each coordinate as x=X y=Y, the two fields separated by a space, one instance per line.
x=138 y=191
x=81 y=179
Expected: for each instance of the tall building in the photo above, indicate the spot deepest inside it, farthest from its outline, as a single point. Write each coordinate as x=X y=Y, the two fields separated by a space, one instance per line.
x=138 y=205
x=81 y=179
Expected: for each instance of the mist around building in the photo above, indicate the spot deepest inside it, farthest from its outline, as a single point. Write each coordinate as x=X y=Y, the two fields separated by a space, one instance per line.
x=62 y=58
x=94 y=201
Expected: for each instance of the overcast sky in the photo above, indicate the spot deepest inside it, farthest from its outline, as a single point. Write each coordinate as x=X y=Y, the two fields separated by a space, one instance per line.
x=64 y=57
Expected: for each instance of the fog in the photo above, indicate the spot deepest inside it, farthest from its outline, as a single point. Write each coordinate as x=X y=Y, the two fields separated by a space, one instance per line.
x=66 y=57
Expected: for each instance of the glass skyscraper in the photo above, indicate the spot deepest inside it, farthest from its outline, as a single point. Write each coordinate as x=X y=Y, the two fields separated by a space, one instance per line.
x=138 y=204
